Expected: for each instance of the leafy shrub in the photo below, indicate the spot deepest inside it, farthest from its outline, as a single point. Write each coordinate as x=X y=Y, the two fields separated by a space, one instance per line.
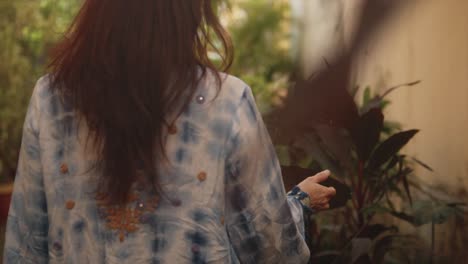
x=26 y=29
x=364 y=151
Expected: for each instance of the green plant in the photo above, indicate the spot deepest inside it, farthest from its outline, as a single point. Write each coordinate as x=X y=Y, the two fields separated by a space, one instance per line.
x=365 y=152
x=261 y=38
x=26 y=29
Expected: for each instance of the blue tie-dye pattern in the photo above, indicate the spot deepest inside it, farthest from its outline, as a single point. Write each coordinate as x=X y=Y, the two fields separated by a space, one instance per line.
x=239 y=214
x=181 y=155
x=189 y=133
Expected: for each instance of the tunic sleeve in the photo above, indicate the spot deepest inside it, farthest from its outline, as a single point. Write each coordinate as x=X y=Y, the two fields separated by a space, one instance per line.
x=264 y=224
x=27 y=226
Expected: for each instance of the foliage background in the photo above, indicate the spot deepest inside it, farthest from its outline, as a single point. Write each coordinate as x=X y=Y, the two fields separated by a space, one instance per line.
x=27 y=28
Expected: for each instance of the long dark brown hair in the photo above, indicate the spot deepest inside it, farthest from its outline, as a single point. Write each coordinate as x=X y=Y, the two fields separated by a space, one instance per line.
x=124 y=66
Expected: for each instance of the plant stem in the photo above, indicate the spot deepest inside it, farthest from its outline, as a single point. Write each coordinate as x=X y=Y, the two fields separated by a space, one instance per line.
x=353 y=183
x=432 y=241
x=360 y=193
x=365 y=193
x=349 y=242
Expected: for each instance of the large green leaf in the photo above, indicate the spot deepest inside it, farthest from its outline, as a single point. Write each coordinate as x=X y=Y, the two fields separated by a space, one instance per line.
x=424 y=165
x=366 y=132
x=426 y=212
x=337 y=143
x=389 y=148
x=377 y=101
x=404 y=178
x=375 y=230
x=402 y=244
x=375 y=209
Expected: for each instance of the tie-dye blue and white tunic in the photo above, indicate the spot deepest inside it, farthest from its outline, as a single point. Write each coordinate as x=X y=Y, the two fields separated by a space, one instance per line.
x=224 y=198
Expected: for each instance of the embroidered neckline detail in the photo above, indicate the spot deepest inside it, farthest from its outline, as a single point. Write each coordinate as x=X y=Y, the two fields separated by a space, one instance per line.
x=126 y=219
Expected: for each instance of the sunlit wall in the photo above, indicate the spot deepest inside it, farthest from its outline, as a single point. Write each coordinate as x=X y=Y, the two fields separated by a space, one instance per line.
x=427 y=41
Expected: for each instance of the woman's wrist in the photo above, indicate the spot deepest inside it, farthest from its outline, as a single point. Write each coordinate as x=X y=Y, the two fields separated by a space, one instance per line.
x=302 y=197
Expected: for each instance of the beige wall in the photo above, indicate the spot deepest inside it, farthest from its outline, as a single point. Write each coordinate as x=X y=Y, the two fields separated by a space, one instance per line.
x=427 y=41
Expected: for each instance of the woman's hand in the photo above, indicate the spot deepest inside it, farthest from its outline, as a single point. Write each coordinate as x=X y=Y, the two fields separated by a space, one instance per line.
x=319 y=195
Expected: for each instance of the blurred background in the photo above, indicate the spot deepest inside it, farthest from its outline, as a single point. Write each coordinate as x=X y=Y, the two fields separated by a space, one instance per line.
x=420 y=178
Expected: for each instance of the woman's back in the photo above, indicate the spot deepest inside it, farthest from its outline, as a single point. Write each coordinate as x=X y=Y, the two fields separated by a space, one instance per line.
x=222 y=197
x=136 y=149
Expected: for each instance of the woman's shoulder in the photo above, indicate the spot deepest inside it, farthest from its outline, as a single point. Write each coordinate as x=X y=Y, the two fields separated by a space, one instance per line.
x=232 y=88
x=43 y=87
x=48 y=101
